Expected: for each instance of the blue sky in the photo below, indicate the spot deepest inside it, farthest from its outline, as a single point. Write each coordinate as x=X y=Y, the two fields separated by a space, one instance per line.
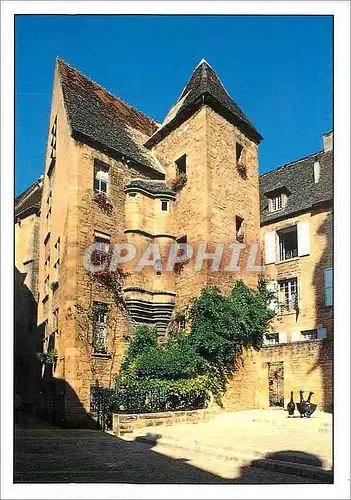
x=277 y=69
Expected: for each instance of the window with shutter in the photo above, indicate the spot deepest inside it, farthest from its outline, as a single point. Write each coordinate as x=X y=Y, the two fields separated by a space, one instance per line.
x=309 y=334
x=288 y=296
x=303 y=238
x=282 y=338
x=287 y=243
x=328 y=284
x=322 y=333
x=295 y=336
x=269 y=246
x=272 y=287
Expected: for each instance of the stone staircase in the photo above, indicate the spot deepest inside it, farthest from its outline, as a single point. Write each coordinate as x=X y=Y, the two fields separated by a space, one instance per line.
x=256 y=438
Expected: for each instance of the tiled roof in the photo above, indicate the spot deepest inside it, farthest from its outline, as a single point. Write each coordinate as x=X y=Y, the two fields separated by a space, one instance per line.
x=204 y=83
x=298 y=178
x=30 y=199
x=152 y=187
x=95 y=114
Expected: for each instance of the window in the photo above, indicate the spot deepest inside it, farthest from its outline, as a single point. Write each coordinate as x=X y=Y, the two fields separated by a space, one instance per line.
x=46 y=286
x=158 y=267
x=100 y=255
x=276 y=203
x=309 y=335
x=288 y=299
x=100 y=328
x=49 y=202
x=182 y=240
x=181 y=165
x=53 y=145
x=328 y=284
x=57 y=261
x=101 y=177
x=271 y=338
x=47 y=247
x=164 y=205
x=55 y=320
x=239 y=229
x=239 y=153
x=180 y=323
x=288 y=243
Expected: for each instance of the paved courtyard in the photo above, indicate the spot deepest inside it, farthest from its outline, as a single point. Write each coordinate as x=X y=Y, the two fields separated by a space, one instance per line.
x=253 y=433
x=44 y=454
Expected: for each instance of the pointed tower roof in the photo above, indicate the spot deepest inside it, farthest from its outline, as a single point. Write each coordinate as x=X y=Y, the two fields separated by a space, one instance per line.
x=204 y=87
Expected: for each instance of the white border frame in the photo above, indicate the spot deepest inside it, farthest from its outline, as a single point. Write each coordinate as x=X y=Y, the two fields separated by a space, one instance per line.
x=341 y=12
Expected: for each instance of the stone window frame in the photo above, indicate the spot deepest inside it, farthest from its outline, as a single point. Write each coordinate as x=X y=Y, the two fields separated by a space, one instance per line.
x=276 y=203
x=101 y=253
x=239 y=228
x=285 y=254
x=239 y=150
x=100 y=309
x=158 y=267
x=181 y=164
x=57 y=260
x=269 y=337
x=308 y=335
x=103 y=179
x=328 y=286
x=182 y=240
x=288 y=295
x=55 y=321
x=162 y=202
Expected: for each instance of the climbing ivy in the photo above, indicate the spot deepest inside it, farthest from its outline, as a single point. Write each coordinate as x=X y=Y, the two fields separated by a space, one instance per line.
x=222 y=327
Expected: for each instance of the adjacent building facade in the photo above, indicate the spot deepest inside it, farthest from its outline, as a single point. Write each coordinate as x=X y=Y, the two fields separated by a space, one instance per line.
x=113 y=175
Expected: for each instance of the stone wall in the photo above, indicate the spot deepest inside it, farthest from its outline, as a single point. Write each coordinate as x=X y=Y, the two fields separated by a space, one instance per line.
x=127 y=423
x=308 y=366
x=232 y=191
x=309 y=270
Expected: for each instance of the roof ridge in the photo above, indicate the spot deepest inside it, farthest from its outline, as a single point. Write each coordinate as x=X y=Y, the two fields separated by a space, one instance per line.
x=292 y=163
x=108 y=91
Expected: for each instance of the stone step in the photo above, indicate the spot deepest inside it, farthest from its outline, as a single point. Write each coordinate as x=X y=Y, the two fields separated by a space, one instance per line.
x=288 y=462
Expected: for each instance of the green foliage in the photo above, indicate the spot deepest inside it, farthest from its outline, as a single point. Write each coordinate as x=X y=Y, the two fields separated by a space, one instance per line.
x=223 y=326
x=144 y=396
x=178 y=362
x=173 y=360
x=144 y=338
x=188 y=367
x=47 y=358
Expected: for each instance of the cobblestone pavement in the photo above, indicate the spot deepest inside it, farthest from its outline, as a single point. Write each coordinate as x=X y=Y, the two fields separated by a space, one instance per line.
x=50 y=455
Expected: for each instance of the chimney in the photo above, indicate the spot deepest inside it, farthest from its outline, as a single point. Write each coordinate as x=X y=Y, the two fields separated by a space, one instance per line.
x=328 y=141
x=316 y=171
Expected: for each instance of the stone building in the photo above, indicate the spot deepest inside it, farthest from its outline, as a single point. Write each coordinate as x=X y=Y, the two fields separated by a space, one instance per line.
x=115 y=176
x=28 y=337
x=296 y=202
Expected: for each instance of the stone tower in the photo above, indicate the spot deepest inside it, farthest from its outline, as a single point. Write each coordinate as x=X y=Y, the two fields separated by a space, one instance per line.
x=208 y=138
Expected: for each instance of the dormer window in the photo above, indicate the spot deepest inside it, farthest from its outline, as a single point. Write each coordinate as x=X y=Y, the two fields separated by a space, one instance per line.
x=276 y=203
x=277 y=197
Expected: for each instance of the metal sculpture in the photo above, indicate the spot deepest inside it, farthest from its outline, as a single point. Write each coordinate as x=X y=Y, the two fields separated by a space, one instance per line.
x=291 y=405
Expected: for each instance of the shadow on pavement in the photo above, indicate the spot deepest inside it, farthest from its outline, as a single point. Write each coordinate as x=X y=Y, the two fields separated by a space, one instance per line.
x=46 y=454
